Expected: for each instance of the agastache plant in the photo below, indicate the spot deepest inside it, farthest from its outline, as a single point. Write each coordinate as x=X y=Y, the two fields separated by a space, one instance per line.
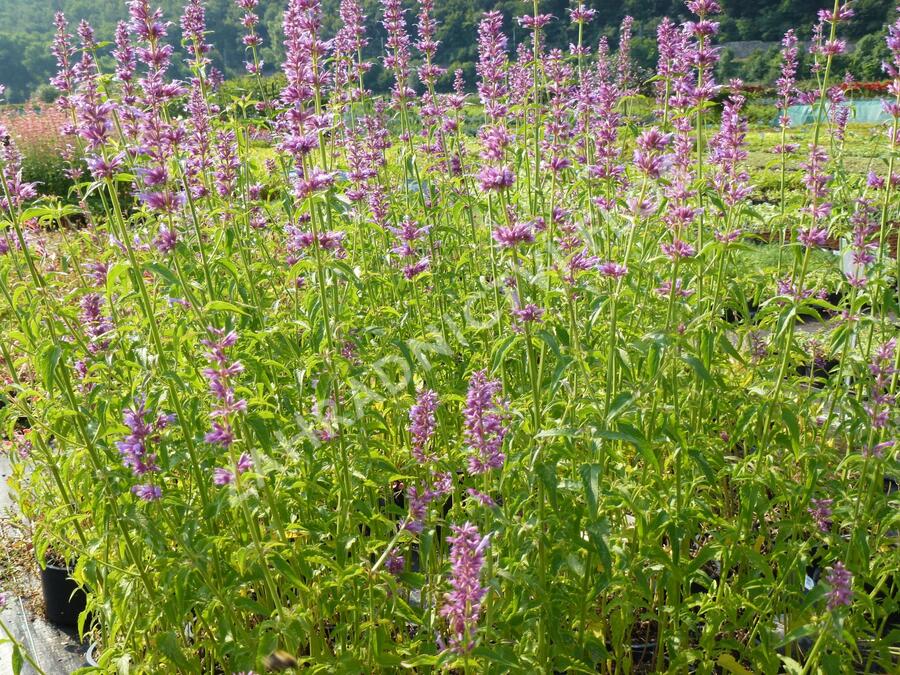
x=543 y=362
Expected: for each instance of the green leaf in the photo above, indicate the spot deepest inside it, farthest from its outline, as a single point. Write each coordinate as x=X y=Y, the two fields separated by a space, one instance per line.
x=590 y=479
x=547 y=474
x=699 y=369
x=729 y=349
x=500 y=351
x=550 y=341
x=729 y=663
x=501 y=655
x=618 y=405
x=420 y=661
x=123 y=664
x=261 y=429
x=48 y=361
x=288 y=572
x=791 y=666
x=790 y=421
x=17 y=660
x=36 y=212
x=598 y=533
x=386 y=660
x=798 y=633
x=345 y=271
x=559 y=433
x=224 y=306
x=164 y=272
x=115 y=273
x=628 y=433
x=168 y=644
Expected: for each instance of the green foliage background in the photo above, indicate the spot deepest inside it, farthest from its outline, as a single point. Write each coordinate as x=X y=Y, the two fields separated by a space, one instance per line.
x=26 y=31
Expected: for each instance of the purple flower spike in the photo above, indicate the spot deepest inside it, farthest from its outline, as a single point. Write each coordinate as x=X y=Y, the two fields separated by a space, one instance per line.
x=813 y=237
x=244 y=463
x=492 y=178
x=840 y=581
x=422 y=424
x=397 y=47
x=820 y=510
x=222 y=477
x=513 y=235
x=485 y=426
x=221 y=434
x=491 y=67
x=133 y=448
x=220 y=375
x=530 y=313
x=148 y=493
x=483 y=499
x=612 y=270
x=97 y=326
x=462 y=605
x=395 y=563
x=677 y=249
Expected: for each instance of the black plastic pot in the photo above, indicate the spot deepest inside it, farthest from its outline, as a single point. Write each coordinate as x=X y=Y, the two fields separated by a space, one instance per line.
x=735 y=316
x=643 y=654
x=63 y=599
x=819 y=370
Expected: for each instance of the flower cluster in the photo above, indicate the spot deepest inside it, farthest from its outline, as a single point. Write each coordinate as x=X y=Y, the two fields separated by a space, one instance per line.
x=462 y=605
x=485 y=426
x=220 y=374
x=881 y=399
x=820 y=510
x=407 y=234
x=422 y=424
x=839 y=580
x=136 y=454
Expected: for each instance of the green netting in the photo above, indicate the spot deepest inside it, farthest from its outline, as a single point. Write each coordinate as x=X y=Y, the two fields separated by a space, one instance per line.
x=868 y=111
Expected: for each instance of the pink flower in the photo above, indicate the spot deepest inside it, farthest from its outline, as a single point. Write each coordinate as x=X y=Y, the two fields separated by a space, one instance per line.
x=422 y=424
x=462 y=605
x=840 y=580
x=222 y=476
x=485 y=426
x=612 y=270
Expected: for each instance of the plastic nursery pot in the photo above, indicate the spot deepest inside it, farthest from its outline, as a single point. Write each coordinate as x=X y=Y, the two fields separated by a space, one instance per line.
x=643 y=647
x=91 y=656
x=63 y=599
x=891 y=485
x=643 y=654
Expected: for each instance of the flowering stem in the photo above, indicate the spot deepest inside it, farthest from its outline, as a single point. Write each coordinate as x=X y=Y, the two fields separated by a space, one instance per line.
x=611 y=354
x=538 y=195
x=782 y=225
x=700 y=179
x=535 y=458
x=812 y=659
x=150 y=315
x=785 y=358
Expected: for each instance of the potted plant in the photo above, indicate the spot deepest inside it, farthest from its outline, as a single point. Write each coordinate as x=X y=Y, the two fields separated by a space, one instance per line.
x=64 y=600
